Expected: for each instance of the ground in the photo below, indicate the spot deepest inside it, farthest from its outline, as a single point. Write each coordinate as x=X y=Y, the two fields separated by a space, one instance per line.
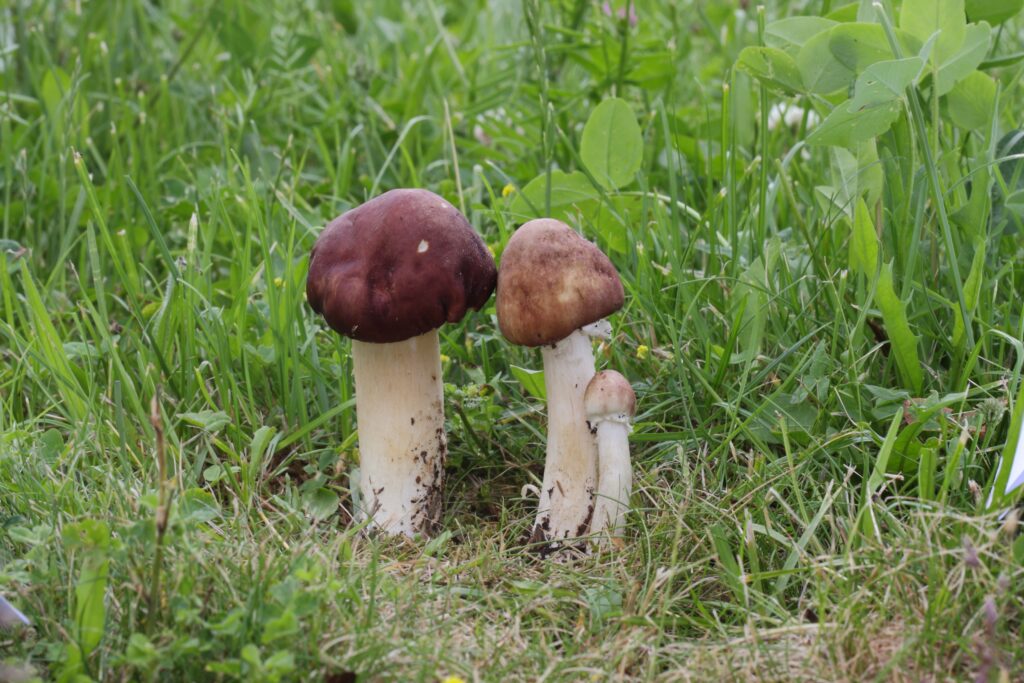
x=824 y=335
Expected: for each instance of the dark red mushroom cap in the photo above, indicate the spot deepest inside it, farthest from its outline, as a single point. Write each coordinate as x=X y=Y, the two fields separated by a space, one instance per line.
x=400 y=265
x=552 y=281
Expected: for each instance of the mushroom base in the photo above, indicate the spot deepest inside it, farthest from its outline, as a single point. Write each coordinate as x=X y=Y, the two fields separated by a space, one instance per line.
x=615 y=477
x=402 y=444
x=570 y=471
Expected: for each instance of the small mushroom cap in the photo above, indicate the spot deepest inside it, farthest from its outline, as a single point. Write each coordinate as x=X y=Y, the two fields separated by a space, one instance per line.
x=398 y=266
x=551 y=282
x=609 y=394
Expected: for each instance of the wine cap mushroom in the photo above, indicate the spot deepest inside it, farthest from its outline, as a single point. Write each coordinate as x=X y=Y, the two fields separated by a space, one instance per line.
x=554 y=290
x=388 y=274
x=609 y=396
x=400 y=265
x=552 y=282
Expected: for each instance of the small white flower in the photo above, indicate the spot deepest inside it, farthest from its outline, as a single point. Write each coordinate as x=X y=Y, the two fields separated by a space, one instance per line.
x=790 y=115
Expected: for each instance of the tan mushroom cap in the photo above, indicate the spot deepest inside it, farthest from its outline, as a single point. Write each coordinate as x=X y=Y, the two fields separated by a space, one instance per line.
x=609 y=393
x=552 y=282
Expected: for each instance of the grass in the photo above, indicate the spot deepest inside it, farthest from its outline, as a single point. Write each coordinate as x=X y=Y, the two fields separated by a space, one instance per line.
x=176 y=426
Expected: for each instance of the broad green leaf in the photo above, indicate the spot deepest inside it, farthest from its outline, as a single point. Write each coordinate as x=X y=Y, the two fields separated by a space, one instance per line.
x=81 y=351
x=653 y=70
x=260 y=438
x=320 y=503
x=845 y=128
x=141 y=651
x=50 y=446
x=90 y=540
x=88 y=535
x=569 y=191
x=532 y=381
x=604 y=601
x=211 y=421
x=279 y=665
x=863 y=242
x=197 y=505
x=828 y=199
x=965 y=60
x=885 y=81
x=791 y=33
x=993 y=11
x=612 y=144
x=845 y=173
x=845 y=13
x=901 y=338
x=772 y=67
x=973 y=216
x=610 y=220
x=258 y=447
x=71 y=669
x=852 y=175
x=922 y=18
x=821 y=72
x=750 y=307
x=573 y=199
x=284 y=626
x=859 y=45
x=971 y=102
x=90 y=601
x=972 y=290
x=870 y=175
x=215 y=473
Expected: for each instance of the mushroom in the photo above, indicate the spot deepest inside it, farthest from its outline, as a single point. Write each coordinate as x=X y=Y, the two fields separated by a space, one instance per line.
x=610 y=404
x=554 y=289
x=388 y=274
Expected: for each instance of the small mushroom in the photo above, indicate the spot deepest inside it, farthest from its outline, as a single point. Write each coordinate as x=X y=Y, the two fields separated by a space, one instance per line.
x=554 y=289
x=610 y=404
x=387 y=274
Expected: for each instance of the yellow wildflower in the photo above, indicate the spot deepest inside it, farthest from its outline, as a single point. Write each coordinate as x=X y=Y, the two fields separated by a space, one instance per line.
x=642 y=352
x=507 y=190
x=452 y=679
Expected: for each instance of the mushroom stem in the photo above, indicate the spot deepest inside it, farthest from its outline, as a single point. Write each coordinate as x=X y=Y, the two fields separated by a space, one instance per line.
x=570 y=470
x=615 y=477
x=402 y=443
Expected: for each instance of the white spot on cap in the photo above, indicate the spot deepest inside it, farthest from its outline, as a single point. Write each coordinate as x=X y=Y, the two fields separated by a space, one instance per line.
x=424 y=245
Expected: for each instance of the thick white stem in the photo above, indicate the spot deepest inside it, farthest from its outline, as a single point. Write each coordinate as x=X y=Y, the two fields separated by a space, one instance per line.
x=402 y=444
x=570 y=471
x=614 y=477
